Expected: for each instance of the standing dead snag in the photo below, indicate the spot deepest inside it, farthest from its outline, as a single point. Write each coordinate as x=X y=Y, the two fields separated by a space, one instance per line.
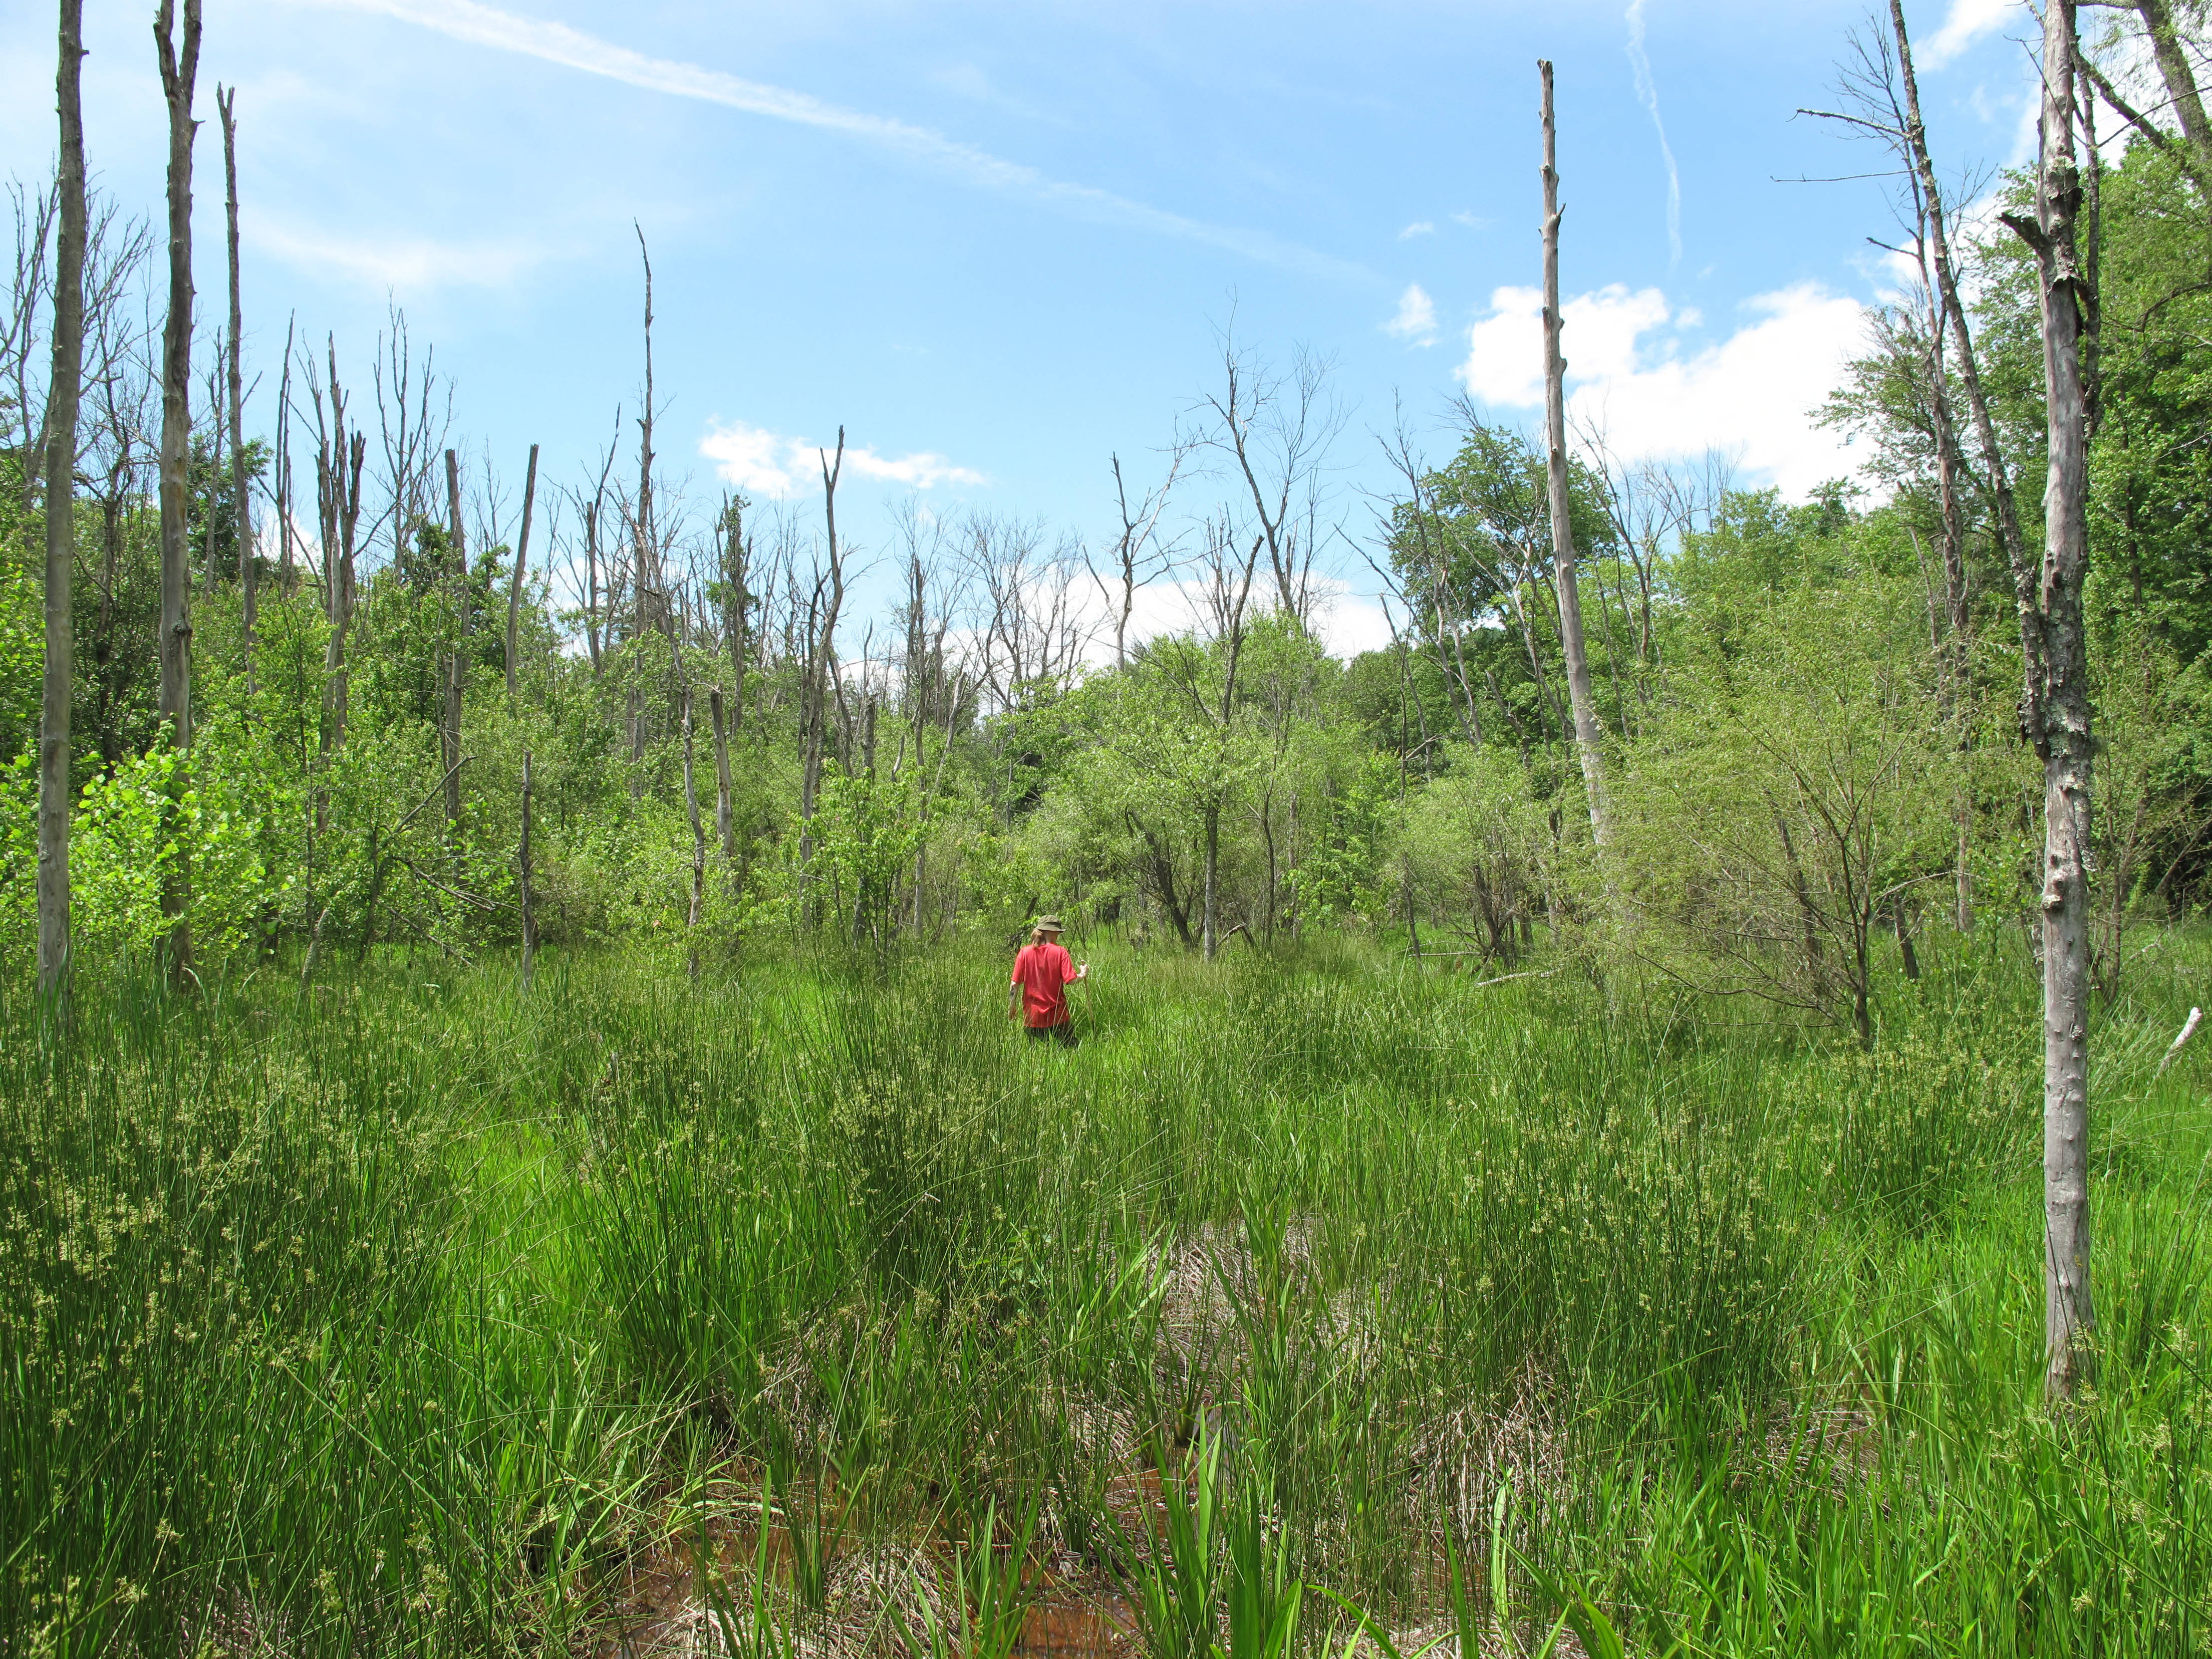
x=456 y=660
x=62 y=397
x=522 y=880
x=821 y=668
x=522 y=564
x=2055 y=718
x=1587 y=741
x=226 y=101
x=180 y=64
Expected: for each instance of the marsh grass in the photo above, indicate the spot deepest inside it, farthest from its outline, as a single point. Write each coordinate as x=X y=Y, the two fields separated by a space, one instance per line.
x=399 y=1320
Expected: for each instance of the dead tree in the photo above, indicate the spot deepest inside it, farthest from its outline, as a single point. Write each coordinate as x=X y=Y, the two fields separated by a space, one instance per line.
x=1588 y=743
x=1274 y=431
x=209 y=525
x=522 y=564
x=283 y=467
x=737 y=603
x=820 y=669
x=338 y=468
x=2055 y=709
x=523 y=889
x=1138 y=554
x=456 y=657
x=63 y=389
x=1228 y=597
x=2192 y=150
x=1912 y=144
x=180 y=61
x=652 y=602
x=698 y=905
x=242 y=513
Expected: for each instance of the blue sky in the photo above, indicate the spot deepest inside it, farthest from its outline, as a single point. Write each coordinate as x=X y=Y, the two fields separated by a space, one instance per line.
x=1000 y=242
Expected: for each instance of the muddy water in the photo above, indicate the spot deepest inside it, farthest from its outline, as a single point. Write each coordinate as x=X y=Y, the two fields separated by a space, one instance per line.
x=1077 y=1629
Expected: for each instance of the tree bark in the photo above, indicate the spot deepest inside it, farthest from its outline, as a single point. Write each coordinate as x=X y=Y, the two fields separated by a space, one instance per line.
x=522 y=564
x=344 y=487
x=522 y=880
x=2173 y=68
x=62 y=399
x=456 y=660
x=1209 y=922
x=240 y=506
x=180 y=64
x=698 y=830
x=726 y=828
x=1588 y=744
x=2056 y=711
x=1997 y=481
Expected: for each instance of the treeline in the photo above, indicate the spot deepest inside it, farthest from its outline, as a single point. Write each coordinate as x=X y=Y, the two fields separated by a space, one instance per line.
x=428 y=704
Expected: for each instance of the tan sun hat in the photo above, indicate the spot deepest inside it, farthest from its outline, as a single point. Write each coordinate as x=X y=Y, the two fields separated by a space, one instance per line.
x=1048 y=924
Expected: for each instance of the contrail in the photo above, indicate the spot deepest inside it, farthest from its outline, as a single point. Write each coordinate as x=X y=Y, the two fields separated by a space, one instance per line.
x=1648 y=90
x=558 y=43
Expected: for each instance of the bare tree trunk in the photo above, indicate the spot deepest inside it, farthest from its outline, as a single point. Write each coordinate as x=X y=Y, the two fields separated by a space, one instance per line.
x=522 y=880
x=215 y=466
x=1998 y=481
x=592 y=581
x=62 y=397
x=1210 y=923
x=737 y=603
x=456 y=660
x=1587 y=738
x=2174 y=70
x=346 y=505
x=522 y=564
x=726 y=828
x=180 y=64
x=821 y=665
x=2056 y=712
x=653 y=606
x=698 y=830
x=283 y=464
x=240 y=506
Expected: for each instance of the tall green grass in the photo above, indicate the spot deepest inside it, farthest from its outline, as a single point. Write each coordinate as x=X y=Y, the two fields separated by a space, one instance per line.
x=398 y=1319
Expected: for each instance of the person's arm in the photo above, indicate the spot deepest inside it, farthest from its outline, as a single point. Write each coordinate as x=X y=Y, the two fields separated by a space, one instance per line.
x=1013 y=999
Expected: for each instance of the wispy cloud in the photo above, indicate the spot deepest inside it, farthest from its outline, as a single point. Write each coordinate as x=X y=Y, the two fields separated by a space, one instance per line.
x=765 y=463
x=1419 y=228
x=558 y=43
x=403 y=264
x=1416 y=321
x=1648 y=90
x=1970 y=20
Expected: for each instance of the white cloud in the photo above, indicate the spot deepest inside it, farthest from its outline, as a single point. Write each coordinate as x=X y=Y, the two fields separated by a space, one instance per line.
x=556 y=43
x=1632 y=375
x=770 y=463
x=1505 y=355
x=1416 y=320
x=1419 y=228
x=1348 y=622
x=406 y=264
x=1970 y=20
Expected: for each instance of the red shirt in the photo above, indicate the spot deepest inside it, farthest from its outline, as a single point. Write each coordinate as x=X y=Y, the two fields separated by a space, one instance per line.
x=1043 y=971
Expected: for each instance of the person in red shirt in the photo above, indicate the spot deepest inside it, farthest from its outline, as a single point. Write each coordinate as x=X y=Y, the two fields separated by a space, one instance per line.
x=1042 y=972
